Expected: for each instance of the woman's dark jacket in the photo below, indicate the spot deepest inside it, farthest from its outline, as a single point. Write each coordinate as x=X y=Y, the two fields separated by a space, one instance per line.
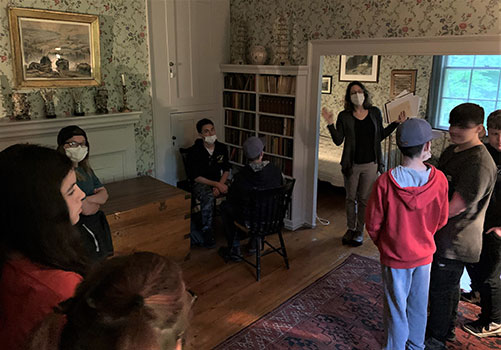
x=345 y=131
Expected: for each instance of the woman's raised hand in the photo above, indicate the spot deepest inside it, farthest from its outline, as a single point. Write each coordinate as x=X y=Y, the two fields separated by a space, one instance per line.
x=327 y=115
x=402 y=117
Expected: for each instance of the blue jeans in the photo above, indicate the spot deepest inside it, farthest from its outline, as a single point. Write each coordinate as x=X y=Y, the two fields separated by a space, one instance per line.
x=444 y=297
x=204 y=194
x=405 y=306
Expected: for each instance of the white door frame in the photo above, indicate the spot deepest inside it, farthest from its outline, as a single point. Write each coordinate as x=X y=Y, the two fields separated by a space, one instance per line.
x=447 y=45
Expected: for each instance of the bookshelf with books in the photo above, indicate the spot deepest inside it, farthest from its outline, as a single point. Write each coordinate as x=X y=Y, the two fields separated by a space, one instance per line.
x=268 y=102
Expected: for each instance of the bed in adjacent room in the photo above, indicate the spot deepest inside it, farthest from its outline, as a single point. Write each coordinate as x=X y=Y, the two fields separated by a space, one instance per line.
x=329 y=158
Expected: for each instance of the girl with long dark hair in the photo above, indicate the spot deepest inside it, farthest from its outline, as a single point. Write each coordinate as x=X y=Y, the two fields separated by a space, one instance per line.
x=41 y=259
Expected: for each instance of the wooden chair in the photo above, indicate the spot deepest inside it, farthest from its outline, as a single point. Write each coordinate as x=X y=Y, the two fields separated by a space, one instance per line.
x=266 y=213
x=186 y=185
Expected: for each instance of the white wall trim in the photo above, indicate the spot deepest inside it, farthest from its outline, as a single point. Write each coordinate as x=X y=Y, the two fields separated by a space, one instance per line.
x=445 y=45
x=15 y=129
x=111 y=137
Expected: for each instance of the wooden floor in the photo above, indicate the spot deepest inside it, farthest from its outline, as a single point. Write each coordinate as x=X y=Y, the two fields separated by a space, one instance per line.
x=229 y=296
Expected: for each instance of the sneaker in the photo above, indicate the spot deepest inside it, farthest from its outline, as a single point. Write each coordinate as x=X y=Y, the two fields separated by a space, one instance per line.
x=472 y=297
x=482 y=330
x=451 y=336
x=210 y=242
x=228 y=255
x=434 y=344
x=348 y=236
x=358 y=239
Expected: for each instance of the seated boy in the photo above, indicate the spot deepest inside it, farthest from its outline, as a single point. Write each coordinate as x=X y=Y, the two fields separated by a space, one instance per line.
x=208 y=168
x=408 y=204
x=257 y=174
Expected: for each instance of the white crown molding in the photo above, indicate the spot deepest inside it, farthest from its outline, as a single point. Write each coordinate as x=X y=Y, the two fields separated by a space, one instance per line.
x=15 y=129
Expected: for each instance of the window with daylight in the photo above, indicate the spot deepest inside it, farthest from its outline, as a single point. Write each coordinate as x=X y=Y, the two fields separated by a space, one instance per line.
x=459 y=79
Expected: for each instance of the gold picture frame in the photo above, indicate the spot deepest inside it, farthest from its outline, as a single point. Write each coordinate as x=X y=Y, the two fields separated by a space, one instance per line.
x=54 y=49
x=402 y=79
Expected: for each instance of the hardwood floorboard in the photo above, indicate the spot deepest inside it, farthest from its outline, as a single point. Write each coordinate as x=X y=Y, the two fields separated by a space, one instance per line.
x=229 y=298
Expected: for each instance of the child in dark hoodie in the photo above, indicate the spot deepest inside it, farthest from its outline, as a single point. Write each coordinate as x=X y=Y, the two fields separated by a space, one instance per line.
x=408 y=204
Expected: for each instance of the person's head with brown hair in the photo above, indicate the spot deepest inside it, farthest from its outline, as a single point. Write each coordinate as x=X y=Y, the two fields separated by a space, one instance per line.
x=130 y=302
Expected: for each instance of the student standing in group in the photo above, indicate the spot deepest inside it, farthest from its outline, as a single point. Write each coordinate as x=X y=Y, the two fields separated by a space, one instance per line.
x=93 y=226
x=488 y=270
x=360 y=127
x=408 y=204
x=41 y=258
x=471 y=173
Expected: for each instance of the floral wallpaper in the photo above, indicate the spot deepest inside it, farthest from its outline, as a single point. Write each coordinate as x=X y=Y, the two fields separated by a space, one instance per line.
x=124 y=49
x=352 y=19
x=355 y=19
x=380 y=91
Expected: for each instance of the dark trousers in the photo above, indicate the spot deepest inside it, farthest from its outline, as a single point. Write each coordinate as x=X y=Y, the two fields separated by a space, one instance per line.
x=444 y=296
x=486 y=276
x=204 y=194
x=229 y=215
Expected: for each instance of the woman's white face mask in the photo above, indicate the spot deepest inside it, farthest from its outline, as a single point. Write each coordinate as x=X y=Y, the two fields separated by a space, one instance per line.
x=357 y=99
x=76 y=154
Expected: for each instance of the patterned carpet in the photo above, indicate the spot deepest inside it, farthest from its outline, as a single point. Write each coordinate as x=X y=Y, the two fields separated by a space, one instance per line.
x=342 y=310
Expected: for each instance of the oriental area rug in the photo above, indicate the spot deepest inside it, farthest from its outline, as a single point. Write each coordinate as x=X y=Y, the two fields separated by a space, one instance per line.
x=341 y=310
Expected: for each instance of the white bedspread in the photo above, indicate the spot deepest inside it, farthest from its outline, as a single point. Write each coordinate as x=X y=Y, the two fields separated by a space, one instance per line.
x=329 y=157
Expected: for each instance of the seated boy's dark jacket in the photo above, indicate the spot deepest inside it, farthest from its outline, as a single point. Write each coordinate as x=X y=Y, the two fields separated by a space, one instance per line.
x=246 y=180
x=201 y=163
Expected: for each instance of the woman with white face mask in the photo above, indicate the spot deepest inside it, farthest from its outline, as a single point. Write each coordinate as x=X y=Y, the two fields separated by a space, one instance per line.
x=360 y=127
x=72 y=141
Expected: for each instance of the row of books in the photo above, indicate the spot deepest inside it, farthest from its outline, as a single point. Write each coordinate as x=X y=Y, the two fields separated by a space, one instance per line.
x=277 y=145
x=236 y=137
x=239 y=100
x=277 y=105
x=238 y=81
x=283 y=164
x=277 y=84
x=240 y=119
x=236 y=155
x=276 y=125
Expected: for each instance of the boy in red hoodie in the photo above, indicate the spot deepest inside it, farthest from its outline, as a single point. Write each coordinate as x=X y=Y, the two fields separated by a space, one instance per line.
x=408 y=204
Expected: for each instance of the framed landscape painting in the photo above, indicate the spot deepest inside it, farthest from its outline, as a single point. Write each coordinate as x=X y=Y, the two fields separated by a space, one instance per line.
x=54 y=49
x=360 y=68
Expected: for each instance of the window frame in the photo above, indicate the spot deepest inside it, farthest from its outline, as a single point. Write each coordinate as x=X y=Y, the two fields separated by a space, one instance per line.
x=437 y=86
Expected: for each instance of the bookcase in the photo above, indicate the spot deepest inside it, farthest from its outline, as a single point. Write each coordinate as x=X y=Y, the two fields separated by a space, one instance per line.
x=268 y=102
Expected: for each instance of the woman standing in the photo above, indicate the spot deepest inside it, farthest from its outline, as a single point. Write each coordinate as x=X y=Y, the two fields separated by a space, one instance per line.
x=95 y=230
x=40 y=252
x=360 y=126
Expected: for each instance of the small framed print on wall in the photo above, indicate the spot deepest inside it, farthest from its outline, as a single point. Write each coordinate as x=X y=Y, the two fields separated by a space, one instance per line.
x=359 y=68
x=403 y=79
x=326 y=84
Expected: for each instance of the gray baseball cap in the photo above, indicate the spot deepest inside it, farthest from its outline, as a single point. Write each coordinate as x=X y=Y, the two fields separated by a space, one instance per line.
x=253 y=147
x=415 y=132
